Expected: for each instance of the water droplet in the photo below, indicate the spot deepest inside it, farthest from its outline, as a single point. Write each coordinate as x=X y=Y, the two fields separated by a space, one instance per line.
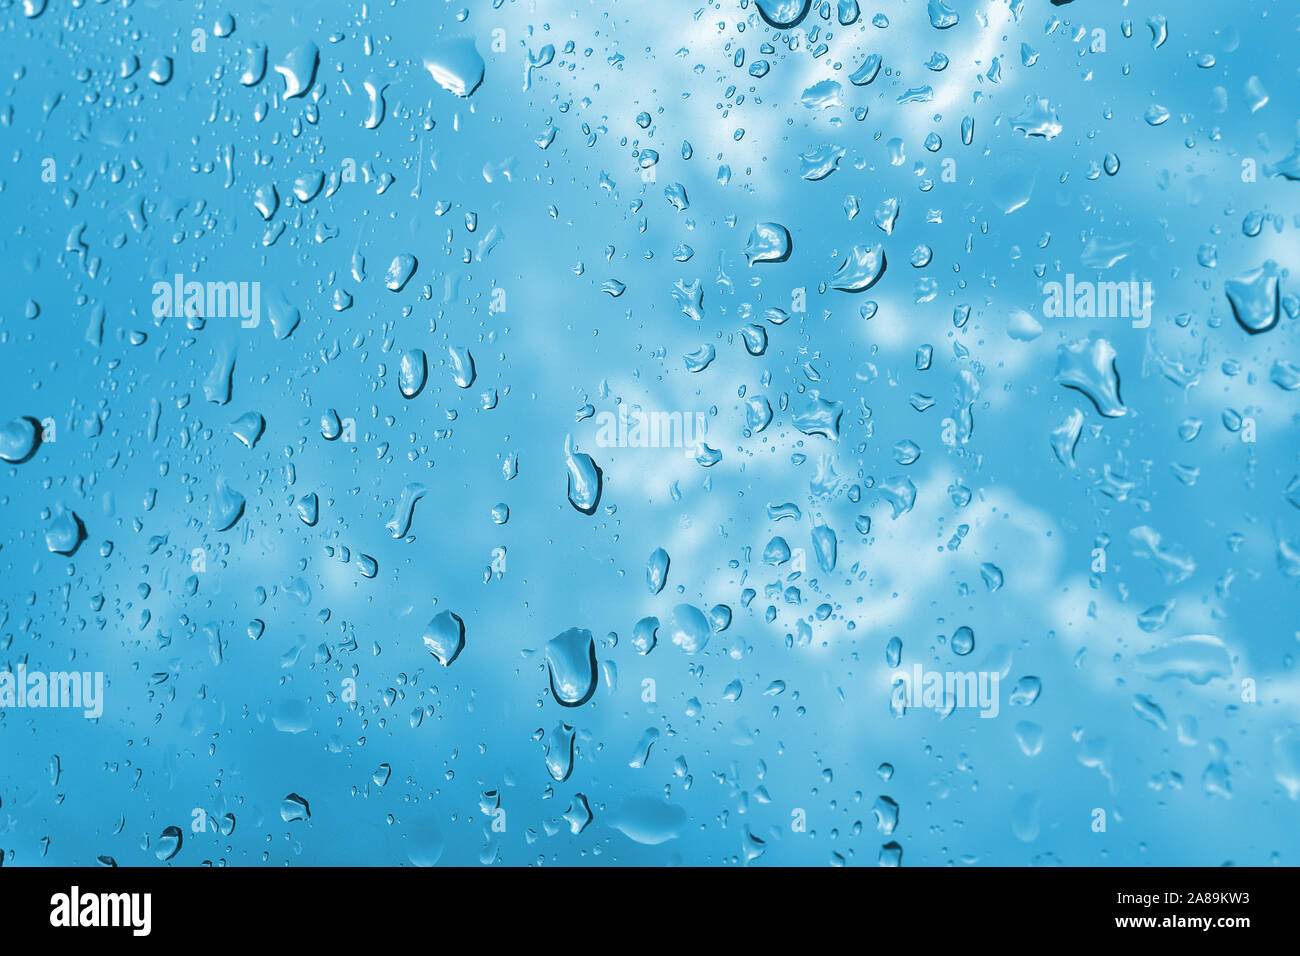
x=571 y=662
x=963 y=641
x=309 y=509
x=170 y=842
x=768 y=242
x=819 y=416
x=1198 y=658
x=645 y=635
x=294 y=807
x=862 y=268
x=783 y=14
x=248 y=428
x=688 y=628
x=227 y=506
x=404 y=510
x=65 y=533
x=585 y=479
x=400 y=271
x=1088 y=366
x=299 y=69
x=1038 y=119
x=412 y=373
x=559 y=752
x=19 y=440
x=445 y=637
x=424 y=843
x=649 y=821
x=656 y=572
x=867 y=71
x=941 y=15
x=1255 y=298
x=456 y=66
x=462 y=366
x=825 y=546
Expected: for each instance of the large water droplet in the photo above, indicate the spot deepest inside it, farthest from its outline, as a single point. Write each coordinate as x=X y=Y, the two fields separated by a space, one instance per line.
x=689 y=628
x=456 y=66
x=963 y=641
x=170 y=842
x=941 y=15
x=375 y=88
x=1088 y=366
x=19 y=440
x=1038 y=119
x=825 y=546
x=404 y=510
x=248 y=428
x=424 y=843
x=294 y=807
x=309 y=509
x=462 y=366
x=768 y=242
x=65 y=533
x=867 y=71
x=445 y=637
x=758 y=414
x=227 y=506
x=299 y=69
x=559 y=752
x=412 y=373
x=645 y=635
x=647 y=820
x=819 y=416
x=817 y=163
x=400 y=271
x=585 y=479
x=783 y=14
x=1198 y=658
x=656 y=571
x=900 y=492
x=861 y=269
x=571 y=661
x=776 y=552
x=1254 y=298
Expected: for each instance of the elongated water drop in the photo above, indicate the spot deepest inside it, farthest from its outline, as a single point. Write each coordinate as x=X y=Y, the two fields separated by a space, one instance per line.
x=227 y=506
x=559 y=752
x=585 y=478
x=656 y=572
x=298 y=67
x=824 y=544
x=412 y=373
x=462 y=366
x=571 y=663
x=404 y=510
